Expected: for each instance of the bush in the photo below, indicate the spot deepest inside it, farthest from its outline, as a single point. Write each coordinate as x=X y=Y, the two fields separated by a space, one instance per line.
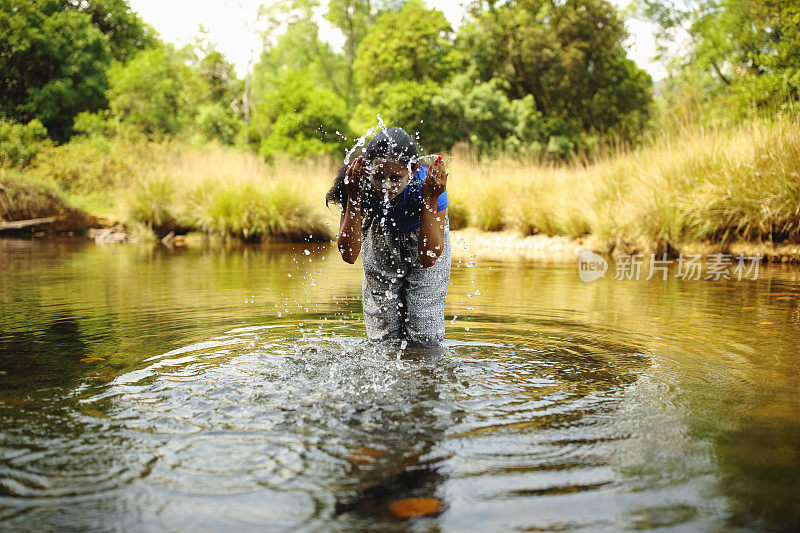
x=458 y=216
x=19 y=143
x=24 y=199
x=94 y=124
x=215 y=121
x=490 y=211
x=152 y=203
x=91 y=164
x=253 y=212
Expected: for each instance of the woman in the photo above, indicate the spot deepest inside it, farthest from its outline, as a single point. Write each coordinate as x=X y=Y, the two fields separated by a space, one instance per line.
x=394 y=213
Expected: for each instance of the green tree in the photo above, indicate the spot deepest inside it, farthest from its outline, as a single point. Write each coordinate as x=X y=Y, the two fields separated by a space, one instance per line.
x=54 y=53
x=568 y=55
x=220 y=116
x=299 y=88
x=220 y=77
x=126 y=32
x=780 y=54
x=483 y=115
x=299 y=119
x=299 y=48
x=401 y=64
x=412 y=44
x=744 y=50
x=52 y=64
x=157 y=92
x=410 y=105
x=354 y=18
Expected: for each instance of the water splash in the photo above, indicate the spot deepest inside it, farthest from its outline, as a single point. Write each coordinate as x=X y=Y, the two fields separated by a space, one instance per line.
x=362 y=141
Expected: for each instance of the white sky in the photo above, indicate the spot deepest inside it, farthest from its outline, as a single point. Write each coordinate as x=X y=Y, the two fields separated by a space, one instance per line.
x=230 y=26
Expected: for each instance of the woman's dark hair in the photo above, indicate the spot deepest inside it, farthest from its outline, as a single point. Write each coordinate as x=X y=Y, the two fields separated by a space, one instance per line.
x=393 y=144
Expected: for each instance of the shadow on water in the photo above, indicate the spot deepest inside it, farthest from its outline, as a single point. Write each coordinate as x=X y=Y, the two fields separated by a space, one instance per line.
x=46 y=356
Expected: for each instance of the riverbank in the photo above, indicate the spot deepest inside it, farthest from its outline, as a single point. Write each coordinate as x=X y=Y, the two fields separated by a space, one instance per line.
x=471 y=243
x=157 y=188
x=467 y=244
x=700 y=188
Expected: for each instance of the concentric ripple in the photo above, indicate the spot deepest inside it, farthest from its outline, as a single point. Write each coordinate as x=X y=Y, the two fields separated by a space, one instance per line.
x=316 y=427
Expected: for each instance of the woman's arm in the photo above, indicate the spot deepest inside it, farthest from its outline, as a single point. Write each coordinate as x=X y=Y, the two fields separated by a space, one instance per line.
x=349 y=239
x=430 y=244
x=431 y=235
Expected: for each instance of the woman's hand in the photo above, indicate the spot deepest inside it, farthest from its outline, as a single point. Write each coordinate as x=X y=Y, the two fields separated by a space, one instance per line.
x=435 y=183
x=355 y=179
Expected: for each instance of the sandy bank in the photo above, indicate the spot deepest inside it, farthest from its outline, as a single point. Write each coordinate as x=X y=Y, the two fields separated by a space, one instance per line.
x=508 y=245
x=467 y=244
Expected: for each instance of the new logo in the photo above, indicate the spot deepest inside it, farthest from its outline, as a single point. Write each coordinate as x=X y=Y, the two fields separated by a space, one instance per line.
x=591 y=266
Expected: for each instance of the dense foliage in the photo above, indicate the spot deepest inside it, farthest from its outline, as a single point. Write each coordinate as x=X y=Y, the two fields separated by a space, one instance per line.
x=522 y=76
x=736 y=55
x=54 y=56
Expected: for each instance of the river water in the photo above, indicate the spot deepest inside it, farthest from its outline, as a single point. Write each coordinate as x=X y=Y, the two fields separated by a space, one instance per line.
x=210 y=389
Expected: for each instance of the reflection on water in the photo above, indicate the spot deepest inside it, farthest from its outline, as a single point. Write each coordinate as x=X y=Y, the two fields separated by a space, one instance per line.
x=155 y=389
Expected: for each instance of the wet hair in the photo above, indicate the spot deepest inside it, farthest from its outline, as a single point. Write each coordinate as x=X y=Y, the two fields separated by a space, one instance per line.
x=392 y=144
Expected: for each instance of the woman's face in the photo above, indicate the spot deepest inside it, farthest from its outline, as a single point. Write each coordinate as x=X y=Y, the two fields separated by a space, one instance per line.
x=389 y=178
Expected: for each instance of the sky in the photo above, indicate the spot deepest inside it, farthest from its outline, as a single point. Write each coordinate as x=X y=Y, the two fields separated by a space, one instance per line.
x=229 y=24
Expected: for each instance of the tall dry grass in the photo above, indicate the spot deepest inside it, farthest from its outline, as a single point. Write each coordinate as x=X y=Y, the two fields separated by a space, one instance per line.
x=704 y=184
x=158 y=187
x=694 y=184
x=228 y=192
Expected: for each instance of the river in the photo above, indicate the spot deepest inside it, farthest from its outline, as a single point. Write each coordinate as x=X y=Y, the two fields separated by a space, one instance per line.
x=149 y=388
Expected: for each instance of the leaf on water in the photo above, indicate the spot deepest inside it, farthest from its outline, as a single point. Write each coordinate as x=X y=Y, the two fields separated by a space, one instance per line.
x=365 y=455
x=90 y=411
x=415 y=507
x=91 y=359
x=765 y=323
